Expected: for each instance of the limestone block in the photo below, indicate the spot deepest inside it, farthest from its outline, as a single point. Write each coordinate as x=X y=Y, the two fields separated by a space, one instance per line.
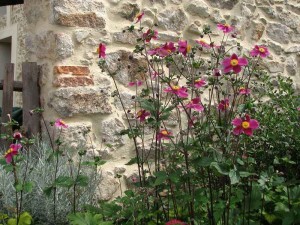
x=197 y=8
x=291 y=65
x=293 y=49
x=131 y=68
x=128 y=101
x=274 y=67
x=172 y=19
x=223 y=4
x=88 y=13
x=129 y=11
x=44 y=45
x=109 y=132
x=257 y=31
x=278 y=32
x=126 y=37
x=80 y=100
x=81 y=35
x=64 y=45
x=108 y=185
x=275 y=47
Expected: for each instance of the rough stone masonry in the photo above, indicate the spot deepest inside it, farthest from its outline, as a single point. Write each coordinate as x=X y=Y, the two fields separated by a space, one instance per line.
x=63 y=35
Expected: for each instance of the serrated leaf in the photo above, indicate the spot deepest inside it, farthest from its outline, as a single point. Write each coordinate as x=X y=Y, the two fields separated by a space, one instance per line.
x=161 y=177
x=82 y=181
x=19 y=187
x=64 y=181
x=28 y=187
x=47 y=191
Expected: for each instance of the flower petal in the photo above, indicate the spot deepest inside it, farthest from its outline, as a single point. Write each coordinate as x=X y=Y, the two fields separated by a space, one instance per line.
x=243 y=61
x=254 y=124
x=248 y=131
x=238 y=130
x=237 y=122
x=237 y=69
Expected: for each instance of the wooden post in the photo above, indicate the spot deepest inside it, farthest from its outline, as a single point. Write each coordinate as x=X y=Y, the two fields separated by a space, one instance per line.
x=7 y=98
x=31 y=98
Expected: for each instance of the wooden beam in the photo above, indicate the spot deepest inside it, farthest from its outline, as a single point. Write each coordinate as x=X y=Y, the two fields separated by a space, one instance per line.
x=10 y=2
x=17 y=86
x=31 y=98
x=7 y=99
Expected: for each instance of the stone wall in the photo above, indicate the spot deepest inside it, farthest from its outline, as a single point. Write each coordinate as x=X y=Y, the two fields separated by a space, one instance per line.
x=63 y=35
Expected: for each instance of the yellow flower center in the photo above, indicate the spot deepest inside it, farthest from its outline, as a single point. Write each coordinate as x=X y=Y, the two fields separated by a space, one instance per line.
x=188 y=48
x=62 y=122
x=8 y=151
x=226 y=25
x=164 y=132
x=234 y=62
x=245 y=124
x=175 y=88
x=262 y=50
x=140 y=113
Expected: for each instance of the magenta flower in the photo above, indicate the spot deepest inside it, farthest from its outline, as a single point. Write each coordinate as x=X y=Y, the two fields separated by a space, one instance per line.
x=17 y=136
x=223 y=105
x=244 y=91
x=150 y=34
x=195 y=104
x=298 y=108
x=101 y=50
x=59 y=123
x=136 y=83
x=245 y=125
x=259 y=50
x=139 y=16
x=164 y=135
x=142 y=114
x=12 y=151
x=175 y=222
x=163 y=50
x=177 y=90
x=226 y=28
x=199 y=83
x=203 y=43
x=234 y=63
x=183 y=47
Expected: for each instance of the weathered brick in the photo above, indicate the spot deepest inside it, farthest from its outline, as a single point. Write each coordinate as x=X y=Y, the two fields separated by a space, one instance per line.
x=74 y=70
x=81 y=20
x=73 y=81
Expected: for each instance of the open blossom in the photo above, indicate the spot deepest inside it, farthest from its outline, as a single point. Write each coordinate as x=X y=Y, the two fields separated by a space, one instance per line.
x=184 y=47
x=59 y=123
x=244 y=91
x=259 y=50
x=150 y=34
x=203 y=43
x=244 y=125
x=135 y=83
x=226 y=28
x=234 y=63
x=177 y=90
x=175 y=222
x=164 y=134
x=139 y=16
x=101 y=50
x=195 y=104
x=199 y=83
x=163 y=50
x=223 y=105
x=13 y=150
x=142 y=114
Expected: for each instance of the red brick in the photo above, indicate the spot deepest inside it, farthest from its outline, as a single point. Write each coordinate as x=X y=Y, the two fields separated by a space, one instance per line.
x=73 y=81
x=74 y=70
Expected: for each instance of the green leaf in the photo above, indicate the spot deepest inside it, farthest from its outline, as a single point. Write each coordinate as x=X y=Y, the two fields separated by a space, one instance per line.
x=234 y=176
x=161 y=177
x=82 y=181
x=19 y=187
x=220 y=168
x=47 y=191
x=28 y=187
x=132 y=161
x=64 y=181
x=87 y=218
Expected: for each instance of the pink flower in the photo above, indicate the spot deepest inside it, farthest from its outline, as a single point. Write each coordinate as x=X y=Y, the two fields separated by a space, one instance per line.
x=226 y=28
x=142 y=114
x=175 y=222
x=183 y=47
x=59 y=123
x=101 y=50
x=136 y=83
x=163 y=50
x=195 y=104
x=259 y=50
x=177 y=90
x=298 y=108
x=244 y=91
x=245 y=125
x=203 y=43
x=234 y=63
x=217 y=72
x=139 y=16
x=164 y=134
x=199 y=83
x=223 y=105
x=150 y=34
x=17 y=136
x=13 y=150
